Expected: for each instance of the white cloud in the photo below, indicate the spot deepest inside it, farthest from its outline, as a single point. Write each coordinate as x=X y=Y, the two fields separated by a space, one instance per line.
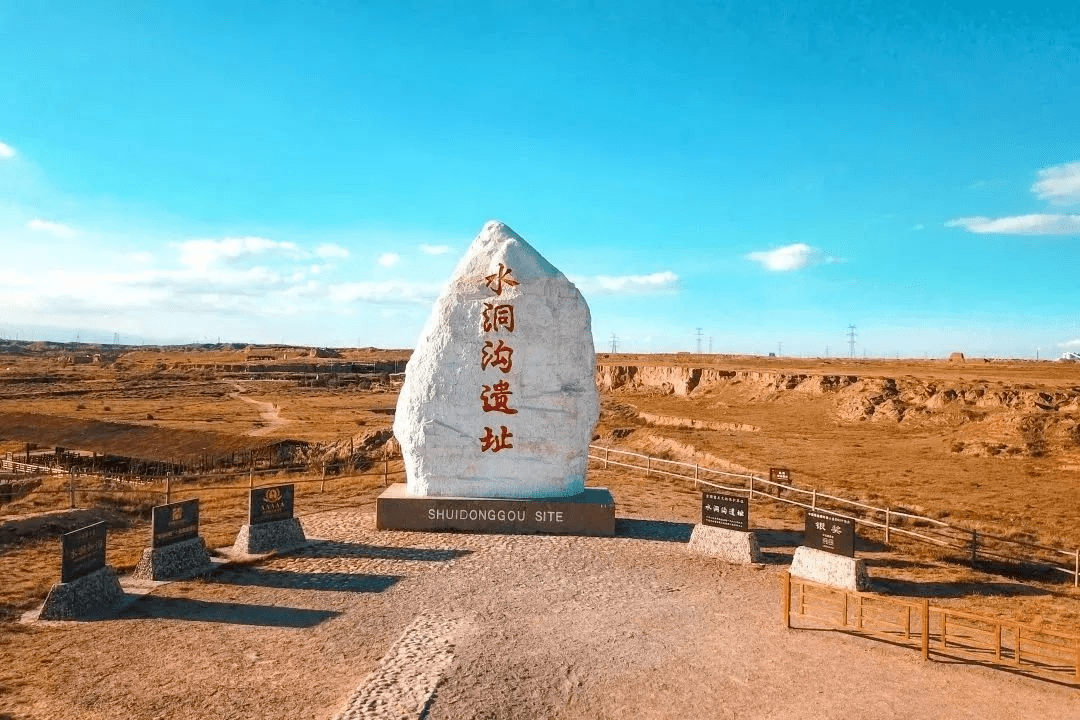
x=1034 y=224
x=1059 y=184
x=389 y=259
x=385 y=292
x=1070 y=343
x=53 y=228
x=204 y=254
x=434 y=249
x=330 y=250
x=918 y=226
x=790 y=257
x=626 y=284
x=6 y=151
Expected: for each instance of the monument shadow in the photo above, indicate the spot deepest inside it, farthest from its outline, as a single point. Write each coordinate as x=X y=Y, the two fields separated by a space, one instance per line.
x=938 y=589
x=663 y=530
x=332 y=548
x=293 y=580
x=152 y=607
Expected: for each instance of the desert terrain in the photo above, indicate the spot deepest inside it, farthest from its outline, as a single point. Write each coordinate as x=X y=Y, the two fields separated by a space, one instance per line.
x=992 y=446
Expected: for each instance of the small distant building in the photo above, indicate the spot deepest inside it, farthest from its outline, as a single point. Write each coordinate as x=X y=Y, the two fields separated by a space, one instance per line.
x=956 y=357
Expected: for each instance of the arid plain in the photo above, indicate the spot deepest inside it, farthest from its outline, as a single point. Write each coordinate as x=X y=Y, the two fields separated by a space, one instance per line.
x=992 y=446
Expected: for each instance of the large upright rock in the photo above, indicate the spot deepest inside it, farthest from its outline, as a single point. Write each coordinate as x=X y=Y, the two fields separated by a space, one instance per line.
x=499 y=398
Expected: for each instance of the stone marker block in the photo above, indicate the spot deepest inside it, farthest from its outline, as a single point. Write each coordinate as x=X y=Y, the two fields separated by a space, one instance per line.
x=733 y=546
x=591 y=512
x=177 y=560
x=266 y=537
x=838 y=571
x=87 y=596
x=500 y=398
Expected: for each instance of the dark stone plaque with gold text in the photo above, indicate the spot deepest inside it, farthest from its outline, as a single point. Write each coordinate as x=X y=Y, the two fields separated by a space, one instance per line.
x=830 y=533
x=84 y=552
x=268 y=504
x=175 y=523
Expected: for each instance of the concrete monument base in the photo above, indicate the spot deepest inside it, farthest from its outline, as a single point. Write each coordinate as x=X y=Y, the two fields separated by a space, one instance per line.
x=734 y=546
x=591 y=512
x=182 y=559
x=838 y=571
x=88 y=596
x=268 y=536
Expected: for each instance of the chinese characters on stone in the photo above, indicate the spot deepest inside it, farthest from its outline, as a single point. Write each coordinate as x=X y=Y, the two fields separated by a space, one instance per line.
x=498 y=355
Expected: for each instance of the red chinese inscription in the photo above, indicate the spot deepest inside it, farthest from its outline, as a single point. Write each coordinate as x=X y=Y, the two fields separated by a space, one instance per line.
x=498 y=279
x=498 y=316
x=495 y=398
x=495 y=443
x=497 y=356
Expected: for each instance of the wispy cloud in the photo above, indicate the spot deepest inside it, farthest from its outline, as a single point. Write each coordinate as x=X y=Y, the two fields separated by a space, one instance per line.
x=6 y=151
x=663 y=281
x=52 y=228
x=789 y=257
x=1070 y=343
x=434 y=249
x=203 y=254
x=330 y=250
x=389 y=259
x=1034 y=224
x=384 y=292
x=918 y=226
x=1059 y=184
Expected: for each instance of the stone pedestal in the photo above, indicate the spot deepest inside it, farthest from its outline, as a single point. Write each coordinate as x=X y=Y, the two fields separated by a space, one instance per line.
x=591 y=512
x=88 y=596
x=182 y=559
x=733 y=546
x=269 y=536
x=838 y=571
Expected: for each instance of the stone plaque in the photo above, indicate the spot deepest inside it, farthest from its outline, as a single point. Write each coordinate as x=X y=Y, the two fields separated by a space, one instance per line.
x=830 y=533
x=591 y=512
x=726 y=511
x=175 y=523
x=84 y=552
x=268 y=504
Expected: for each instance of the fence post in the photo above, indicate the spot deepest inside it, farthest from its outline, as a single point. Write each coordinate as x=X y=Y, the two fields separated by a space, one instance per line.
x=251 y=479
x=887 y=525
x=751 y=487
x=787 y=600
x=925 y=629
x=322 y=485
x=168 y=489
x=648 y=465
x=71 y=490
x=606 y=451
x=974 y=547
x=1076 y=574
x=813 y=499
x=385 y=469
x=695 y=475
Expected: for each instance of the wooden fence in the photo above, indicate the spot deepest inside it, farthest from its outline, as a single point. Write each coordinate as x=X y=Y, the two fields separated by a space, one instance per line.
x=973 y=545
x=934 y=630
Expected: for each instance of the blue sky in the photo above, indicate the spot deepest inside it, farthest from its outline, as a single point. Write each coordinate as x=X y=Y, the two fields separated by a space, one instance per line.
x=769 y=172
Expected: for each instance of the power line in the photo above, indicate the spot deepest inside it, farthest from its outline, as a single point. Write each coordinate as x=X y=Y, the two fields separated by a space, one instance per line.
x=699 y=341
x=851 y=339
x=614 y=343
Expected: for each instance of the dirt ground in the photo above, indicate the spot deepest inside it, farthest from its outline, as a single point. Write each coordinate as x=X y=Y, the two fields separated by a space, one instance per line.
x=562 y=627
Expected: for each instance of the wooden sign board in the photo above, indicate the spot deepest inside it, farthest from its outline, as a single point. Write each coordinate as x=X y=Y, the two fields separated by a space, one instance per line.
x=267 y=504
x=83 y=552
x=780 y=475
x=175 y=523
x=830 y=533
x=725 y=511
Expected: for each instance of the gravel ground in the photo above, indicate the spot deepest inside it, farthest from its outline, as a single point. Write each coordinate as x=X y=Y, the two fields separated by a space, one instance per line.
x=363 y=624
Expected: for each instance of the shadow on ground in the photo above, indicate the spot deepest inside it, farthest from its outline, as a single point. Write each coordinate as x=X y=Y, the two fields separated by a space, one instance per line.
x=653 y=530
x=292 y=580
x=910 y=588
x=330 y=548
x=168 y=608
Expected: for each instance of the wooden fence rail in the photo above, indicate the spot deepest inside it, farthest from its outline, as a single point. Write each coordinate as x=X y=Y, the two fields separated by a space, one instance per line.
x=934 y=630
x=975 y=545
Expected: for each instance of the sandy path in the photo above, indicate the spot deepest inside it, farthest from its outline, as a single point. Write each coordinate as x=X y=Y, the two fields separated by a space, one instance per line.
x=268 y=413
x=631 y=626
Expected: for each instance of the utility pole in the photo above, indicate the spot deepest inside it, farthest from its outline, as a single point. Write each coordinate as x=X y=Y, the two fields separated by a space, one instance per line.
x=851 y=339
x=710 y=344
x=614 y=343
x=826 y=351
x=699 y=341
x=779 y=349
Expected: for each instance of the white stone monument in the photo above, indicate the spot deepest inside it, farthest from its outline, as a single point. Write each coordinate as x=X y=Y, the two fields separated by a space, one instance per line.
x=499 y=400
